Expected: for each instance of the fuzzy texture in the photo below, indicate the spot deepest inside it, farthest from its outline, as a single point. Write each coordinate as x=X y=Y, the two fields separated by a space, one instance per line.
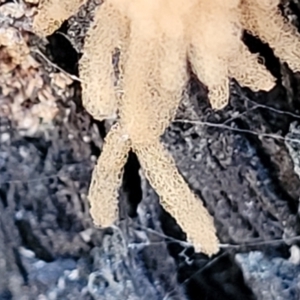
x=52 y=13
x=107 y=177
x=263 y=19
x=156 y=39
x=149 y=82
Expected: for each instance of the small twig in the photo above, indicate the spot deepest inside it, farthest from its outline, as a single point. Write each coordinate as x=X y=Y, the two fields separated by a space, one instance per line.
x=259 y=134
x=283 y=112
x=241 y=244
x=73 y=77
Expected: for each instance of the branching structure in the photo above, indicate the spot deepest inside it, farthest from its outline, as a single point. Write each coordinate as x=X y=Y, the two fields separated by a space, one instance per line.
x=156 y=39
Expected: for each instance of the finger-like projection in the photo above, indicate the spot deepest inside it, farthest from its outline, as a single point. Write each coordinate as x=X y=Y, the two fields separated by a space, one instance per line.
x=156 y=39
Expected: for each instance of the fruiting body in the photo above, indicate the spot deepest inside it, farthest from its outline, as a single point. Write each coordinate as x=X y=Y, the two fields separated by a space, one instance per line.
x=156 y=39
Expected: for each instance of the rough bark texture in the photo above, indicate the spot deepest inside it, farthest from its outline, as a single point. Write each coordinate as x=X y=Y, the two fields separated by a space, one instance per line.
x=243 y=161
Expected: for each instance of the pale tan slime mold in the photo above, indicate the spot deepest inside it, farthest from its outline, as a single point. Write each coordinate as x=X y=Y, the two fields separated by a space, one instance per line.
x=156 y=39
